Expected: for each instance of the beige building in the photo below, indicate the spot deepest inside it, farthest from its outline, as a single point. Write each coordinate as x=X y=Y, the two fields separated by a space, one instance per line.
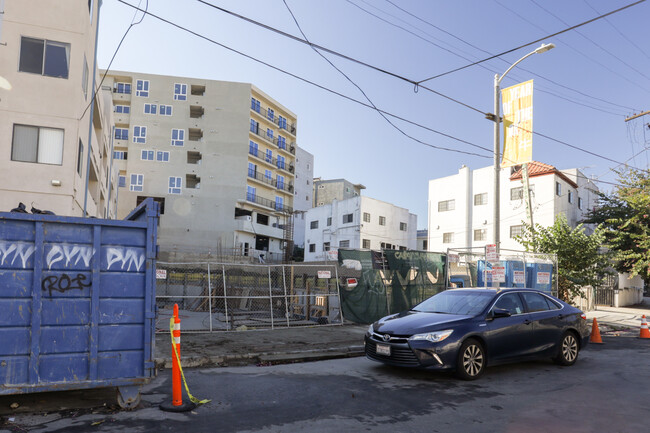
x=325 y=191
x=46 y=64
x=219 y=156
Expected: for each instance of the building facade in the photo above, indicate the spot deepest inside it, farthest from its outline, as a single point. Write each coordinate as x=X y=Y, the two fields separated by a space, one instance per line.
x=360 y=223
x=47 y=54
x=461 y=212
x=219 y=156
x=325 y=191
x=303 y=193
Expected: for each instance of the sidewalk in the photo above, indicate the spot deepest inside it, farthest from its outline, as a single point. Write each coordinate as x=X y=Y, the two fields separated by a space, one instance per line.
x=622 y=317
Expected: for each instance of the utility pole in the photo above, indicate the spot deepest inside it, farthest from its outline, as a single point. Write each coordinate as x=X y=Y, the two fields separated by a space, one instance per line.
x=634 y=116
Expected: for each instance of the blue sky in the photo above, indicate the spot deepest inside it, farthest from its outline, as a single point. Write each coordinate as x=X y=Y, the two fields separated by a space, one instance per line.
x=584 y=88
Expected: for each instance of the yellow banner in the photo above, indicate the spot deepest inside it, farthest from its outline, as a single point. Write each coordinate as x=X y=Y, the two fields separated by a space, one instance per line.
x=517 y=102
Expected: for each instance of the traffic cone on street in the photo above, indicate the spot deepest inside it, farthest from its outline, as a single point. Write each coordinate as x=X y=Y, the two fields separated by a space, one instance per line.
x=176 y=404
x=645 y=332
x=595 y=333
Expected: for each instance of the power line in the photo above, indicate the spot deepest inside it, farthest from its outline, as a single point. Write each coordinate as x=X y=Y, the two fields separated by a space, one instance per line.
x=533 y=42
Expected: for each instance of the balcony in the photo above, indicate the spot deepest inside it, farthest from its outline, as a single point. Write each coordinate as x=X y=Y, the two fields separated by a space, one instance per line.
x=286 y=166
x=270 y=204
x=196 y=111
x=260 y=132
x=194 y=157
x=195 y=134
x=197 y=90
x=290 y=128
x=282 y=186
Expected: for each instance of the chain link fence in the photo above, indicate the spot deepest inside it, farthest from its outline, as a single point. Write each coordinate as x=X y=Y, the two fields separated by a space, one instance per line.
x=226 y=297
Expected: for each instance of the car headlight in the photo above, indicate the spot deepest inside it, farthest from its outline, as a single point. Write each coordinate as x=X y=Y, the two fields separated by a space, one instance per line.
x=434 y=337
x=370 y=329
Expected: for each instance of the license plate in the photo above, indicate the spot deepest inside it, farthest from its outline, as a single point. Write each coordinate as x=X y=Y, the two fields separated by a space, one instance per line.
x=383 y=349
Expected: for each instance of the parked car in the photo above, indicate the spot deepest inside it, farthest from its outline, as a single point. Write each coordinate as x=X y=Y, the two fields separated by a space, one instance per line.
x=468 y=329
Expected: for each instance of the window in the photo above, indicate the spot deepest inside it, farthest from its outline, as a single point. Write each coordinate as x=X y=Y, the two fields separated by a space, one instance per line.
x=119 y=154
x=511 y=302
x=326 y=246
x=162 y=156
x=280 y=161
x=149 y=108
x=80 y=155
x=165 y=110
x=570 y=195
x=382 y=220
x=84 y=78
x=447 y=238
x=122 y=88
x=180 y=92
x=125 y=109
x=480 y=234
x=282 y=122
x=535 y=302
x=270 y=114
x=44 y=57
x=280 y=182
x=269 y=134
x=250 y=193
x=268 y=175
x=517 y=193
x=366 y=217
x=146 y=155
x=402 y=226
x=312 y=248
x=255 y=105
x=279 y=203
x=558 y=188
x=37 y=144
x=252 y=169
x=579 y=203
x=344 y=244
x=178 y=137
x=329 y=221
x=140 y=134
x=516 y=231
x=447 y=205
x=480 y=199
x=347 y=218
x=282 y=142
x=142 y=88
x=121 y=183
x=137 y=182
x=175 y=185
x=313 y=225
x=269 y=155
x=252 y=148
x=366 y=244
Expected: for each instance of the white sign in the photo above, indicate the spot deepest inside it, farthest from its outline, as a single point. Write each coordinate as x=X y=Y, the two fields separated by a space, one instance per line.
x=324 y=274
x=519 y=277
x=161 y=274
x=491 y=253
x=499 y=274
x=543 y=277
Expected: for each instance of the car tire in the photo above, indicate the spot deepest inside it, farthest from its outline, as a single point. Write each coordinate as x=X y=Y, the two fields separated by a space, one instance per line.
x=568 y=350
x=471 y=360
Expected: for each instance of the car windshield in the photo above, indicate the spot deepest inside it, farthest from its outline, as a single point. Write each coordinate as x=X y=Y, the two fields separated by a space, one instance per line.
x=456 y=302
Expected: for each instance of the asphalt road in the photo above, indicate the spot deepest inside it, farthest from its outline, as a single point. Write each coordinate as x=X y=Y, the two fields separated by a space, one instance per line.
x=608 y=390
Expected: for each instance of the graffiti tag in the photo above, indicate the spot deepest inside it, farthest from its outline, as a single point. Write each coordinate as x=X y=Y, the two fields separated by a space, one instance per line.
x=14 y=250
x=64 y=283
x=127 y=256
x=70 y=253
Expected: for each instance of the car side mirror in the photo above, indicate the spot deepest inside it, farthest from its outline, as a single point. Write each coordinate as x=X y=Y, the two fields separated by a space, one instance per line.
x=500 y=312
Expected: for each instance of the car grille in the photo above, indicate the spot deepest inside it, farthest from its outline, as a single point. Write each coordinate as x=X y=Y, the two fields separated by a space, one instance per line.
x=402 y=356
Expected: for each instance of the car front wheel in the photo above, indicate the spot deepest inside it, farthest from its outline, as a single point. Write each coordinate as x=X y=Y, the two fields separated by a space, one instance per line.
x=470 y=364
x=568 y=350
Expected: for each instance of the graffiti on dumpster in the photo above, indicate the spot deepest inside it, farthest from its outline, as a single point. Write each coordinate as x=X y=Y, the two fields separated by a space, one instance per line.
x=130 y=256
x=69 y=253
x=62 y=283
x=14 y=250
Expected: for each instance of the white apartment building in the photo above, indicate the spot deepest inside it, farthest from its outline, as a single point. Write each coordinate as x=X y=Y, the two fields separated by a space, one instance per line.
x=47 y=52
x=219 y=156
x=358 y=222
x=461 y=210
x=303 y=193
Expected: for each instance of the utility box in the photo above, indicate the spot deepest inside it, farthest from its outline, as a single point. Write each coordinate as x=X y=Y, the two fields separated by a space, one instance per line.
x=77 y=302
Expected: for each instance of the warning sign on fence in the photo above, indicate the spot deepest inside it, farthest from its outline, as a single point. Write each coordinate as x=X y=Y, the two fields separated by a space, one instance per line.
x=324 y=274
x=519 y=277
x=491 y=253
x=161 y=274
x=543 y=277
x=499 y=274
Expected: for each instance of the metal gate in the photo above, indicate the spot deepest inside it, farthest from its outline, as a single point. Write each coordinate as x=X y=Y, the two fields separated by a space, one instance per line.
x=605 y=296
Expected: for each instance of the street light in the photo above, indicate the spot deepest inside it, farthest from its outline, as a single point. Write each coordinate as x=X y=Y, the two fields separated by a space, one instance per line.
x=497 y=120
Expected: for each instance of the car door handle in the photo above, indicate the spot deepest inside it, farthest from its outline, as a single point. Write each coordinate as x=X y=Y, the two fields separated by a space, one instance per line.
x=527 y=322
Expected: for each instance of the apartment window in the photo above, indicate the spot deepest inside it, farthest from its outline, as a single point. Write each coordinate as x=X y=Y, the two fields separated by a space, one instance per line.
x=382 y=220
x=119 y=154
x=312 y=248
x=140 y=134
x=178 y=137
x=347 y=218
x=282 y=142
x=149 y=108
x=124 y=109
x=329 y=221
x=446 y=205
x=280 y=182
x=313 y=225
x=558 y=188
x=49 y=58
x=366 y=244
x=37 y=144
x=269 y=155
x=162 y=156
x=480 y=199
x=84 y=78
x=447 y=238
x=517 y=193
x=252 y=148
x=122 y=88
x=516 y=231
x=142 y=88
x=165 y=110
x=137 y=182
x=279 y=203
x=326 y=246
x=80 y=155
x=402 y=226
x=255 y=105
x=579 y=203
x=146 y=155
x=268 y=175
x=250 y=193
x=270 y=114
x=480 y=234
x=344 y=244
x=280 y=161
x=175 y=185
x=570 y=195
x=121 y=182
x=252 y=169
x=366 y=217
x=282 y=122
x=269 y=134
x=180 y=92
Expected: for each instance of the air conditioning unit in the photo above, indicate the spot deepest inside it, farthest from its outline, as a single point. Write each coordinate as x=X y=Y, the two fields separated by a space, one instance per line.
x=244 y=218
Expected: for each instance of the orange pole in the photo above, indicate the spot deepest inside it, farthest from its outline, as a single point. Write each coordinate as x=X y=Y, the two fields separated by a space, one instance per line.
x=177 y=391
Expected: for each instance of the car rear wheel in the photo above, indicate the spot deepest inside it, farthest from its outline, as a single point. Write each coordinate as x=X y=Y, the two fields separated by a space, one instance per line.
x=470 y=364
x=568 y=350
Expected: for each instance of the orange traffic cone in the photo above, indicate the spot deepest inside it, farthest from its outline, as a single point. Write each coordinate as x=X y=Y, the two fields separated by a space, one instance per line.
x=645 y=332
x=595 y=333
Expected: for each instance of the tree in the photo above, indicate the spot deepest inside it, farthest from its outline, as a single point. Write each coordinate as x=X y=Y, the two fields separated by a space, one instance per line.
x=624 y=215
x=580 y=261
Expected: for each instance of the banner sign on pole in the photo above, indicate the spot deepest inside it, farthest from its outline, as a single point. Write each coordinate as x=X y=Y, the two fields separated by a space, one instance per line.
x=491 y=253
x=517 y=103
x=499 y=274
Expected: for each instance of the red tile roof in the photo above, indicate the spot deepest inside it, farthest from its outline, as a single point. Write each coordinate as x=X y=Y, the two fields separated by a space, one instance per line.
x=536 y=168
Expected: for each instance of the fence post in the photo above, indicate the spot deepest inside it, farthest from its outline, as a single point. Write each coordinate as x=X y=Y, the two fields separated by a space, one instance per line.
x=210 y=296
x=338 y=291
x=308 y=300
x=270 y=296
x=225 y=296
x=286 y=301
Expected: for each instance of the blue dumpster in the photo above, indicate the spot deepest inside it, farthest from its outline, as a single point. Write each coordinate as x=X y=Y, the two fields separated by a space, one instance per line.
x=77 y=302
x=539 y=275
